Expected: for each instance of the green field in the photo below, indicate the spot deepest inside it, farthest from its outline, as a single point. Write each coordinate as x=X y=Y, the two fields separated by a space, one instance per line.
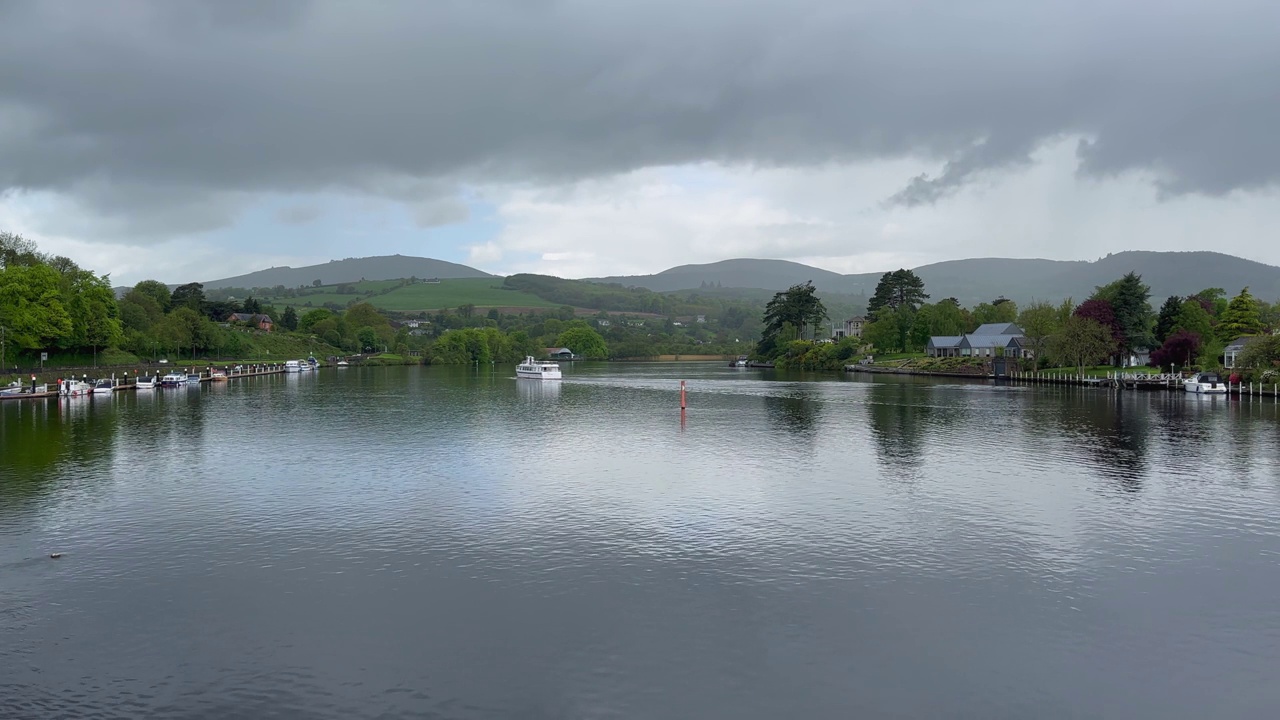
x=481 y=292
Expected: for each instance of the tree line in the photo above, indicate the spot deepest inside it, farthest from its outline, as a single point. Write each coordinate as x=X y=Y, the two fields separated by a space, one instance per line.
x=1113 y=324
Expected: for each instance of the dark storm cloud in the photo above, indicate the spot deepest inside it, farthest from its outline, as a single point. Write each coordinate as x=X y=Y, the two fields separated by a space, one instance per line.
x=165 y=100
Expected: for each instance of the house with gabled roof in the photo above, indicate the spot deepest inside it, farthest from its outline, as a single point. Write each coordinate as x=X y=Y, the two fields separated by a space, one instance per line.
x=989 y=340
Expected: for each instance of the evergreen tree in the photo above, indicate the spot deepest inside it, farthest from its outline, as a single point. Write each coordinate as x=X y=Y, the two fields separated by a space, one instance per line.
x=798 y=306
x=897 y=290
x=1240 y=318
x=1129 y=301
x=1168 y=316
x=290 y=318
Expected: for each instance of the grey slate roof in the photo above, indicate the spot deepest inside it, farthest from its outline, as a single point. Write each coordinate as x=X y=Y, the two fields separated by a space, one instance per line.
x=945 y=341
x=998 y=329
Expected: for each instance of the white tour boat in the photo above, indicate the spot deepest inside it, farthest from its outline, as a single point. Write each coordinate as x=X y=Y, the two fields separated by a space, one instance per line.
x=533 y=369
x=1205 y=383
x=292 y=366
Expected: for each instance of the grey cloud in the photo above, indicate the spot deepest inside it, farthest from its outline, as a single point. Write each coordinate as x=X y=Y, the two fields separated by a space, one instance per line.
x=207 y=98
x=298 y=214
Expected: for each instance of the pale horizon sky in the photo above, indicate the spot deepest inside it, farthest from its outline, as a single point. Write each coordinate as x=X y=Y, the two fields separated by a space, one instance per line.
x=195 y=140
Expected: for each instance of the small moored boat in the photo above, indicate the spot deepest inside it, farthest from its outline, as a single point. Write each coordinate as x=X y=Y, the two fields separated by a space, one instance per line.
x=218 y=376
x=292 y=366
x=104 y=387
x=1205 y=383
x=193 y=379
x=146 y=383
x=77 y=388
x=173 y=379
x=536 y=370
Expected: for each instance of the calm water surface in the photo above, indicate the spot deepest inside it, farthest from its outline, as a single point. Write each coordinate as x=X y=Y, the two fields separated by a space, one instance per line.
x=428 y=542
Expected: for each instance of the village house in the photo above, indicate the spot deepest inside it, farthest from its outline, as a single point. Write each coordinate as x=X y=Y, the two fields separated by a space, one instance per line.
x=262 y=322
x=700 y=318
x=851 y=328
x=1231 y=353
x=989 y=340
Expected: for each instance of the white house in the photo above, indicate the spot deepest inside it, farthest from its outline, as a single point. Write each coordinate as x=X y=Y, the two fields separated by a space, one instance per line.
x=850 y=328
x=1232 y=351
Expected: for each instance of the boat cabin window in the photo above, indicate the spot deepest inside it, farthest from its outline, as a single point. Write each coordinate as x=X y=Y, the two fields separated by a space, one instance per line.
x=1209 y=378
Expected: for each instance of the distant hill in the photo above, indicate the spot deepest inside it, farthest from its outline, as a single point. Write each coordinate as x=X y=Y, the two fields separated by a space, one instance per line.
x=383 y=267
x=740 y=273
x=975 y=280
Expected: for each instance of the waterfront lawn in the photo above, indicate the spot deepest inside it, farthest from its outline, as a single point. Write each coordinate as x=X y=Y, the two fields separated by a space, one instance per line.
x=1101 y=370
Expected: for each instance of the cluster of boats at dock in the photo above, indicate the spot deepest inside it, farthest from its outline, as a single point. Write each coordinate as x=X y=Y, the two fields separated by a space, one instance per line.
x=73 y=388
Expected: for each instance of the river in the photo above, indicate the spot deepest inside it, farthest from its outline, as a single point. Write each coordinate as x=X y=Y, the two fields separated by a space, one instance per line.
x=453 y=543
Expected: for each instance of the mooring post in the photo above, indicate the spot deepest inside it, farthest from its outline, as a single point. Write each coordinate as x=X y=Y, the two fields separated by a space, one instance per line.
x=682 y=399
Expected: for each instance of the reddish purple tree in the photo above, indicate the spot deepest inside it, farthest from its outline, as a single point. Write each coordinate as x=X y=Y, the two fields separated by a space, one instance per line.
x=1101 y=312
x=1180 y=348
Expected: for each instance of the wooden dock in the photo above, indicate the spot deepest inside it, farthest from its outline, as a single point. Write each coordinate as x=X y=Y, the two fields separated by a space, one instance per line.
x=206 y=375
x=1118 y=380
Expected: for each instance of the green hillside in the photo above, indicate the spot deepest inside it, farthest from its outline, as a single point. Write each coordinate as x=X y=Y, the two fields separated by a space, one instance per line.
x=397 y=296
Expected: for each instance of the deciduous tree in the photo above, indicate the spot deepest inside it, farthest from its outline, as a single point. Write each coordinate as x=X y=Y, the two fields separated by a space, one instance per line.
x=1082 y=342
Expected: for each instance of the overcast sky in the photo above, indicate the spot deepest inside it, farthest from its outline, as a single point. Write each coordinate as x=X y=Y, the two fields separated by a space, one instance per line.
x=195 y=140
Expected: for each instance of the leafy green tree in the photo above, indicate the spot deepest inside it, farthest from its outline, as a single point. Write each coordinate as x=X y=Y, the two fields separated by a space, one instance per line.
x=368 y=339
x=584 y=341
x=1261 y=352
x=139 y=311
x=1081 y=342
x=799 y=306
x=1168 y=317
x=31 y=309
x=1269 y=314
x=883 y=333
x=365 y=315
x=157 y=291
x=290 y=318
x=897 y=289
x=186 y=328
x=1240 y=318
x=17 y=251
x=309 y=319
x=1040 y=321
x=1130 y=300
x=1001 y=310
x=190 y=295
x=1213 y=299
x=1193 y=318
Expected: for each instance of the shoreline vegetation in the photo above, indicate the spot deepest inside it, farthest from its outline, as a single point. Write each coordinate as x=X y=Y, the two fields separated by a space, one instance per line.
x=54 y=314
x=1115 y=327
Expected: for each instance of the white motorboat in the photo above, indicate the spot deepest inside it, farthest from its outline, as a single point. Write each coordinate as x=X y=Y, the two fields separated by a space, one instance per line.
x=173 y=379
x=535 y=370
x=741 y=362
x=146 y=383
x=76 y=388
x=1205 y=383
x=193 y=379
x=343 y=363
x=292 y=366
x=14 y=388
x=103 y=387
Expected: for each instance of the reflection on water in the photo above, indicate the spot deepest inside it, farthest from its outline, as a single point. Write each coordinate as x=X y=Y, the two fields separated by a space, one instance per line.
x=538 y=390
x=452 y=542
x=794 y=412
